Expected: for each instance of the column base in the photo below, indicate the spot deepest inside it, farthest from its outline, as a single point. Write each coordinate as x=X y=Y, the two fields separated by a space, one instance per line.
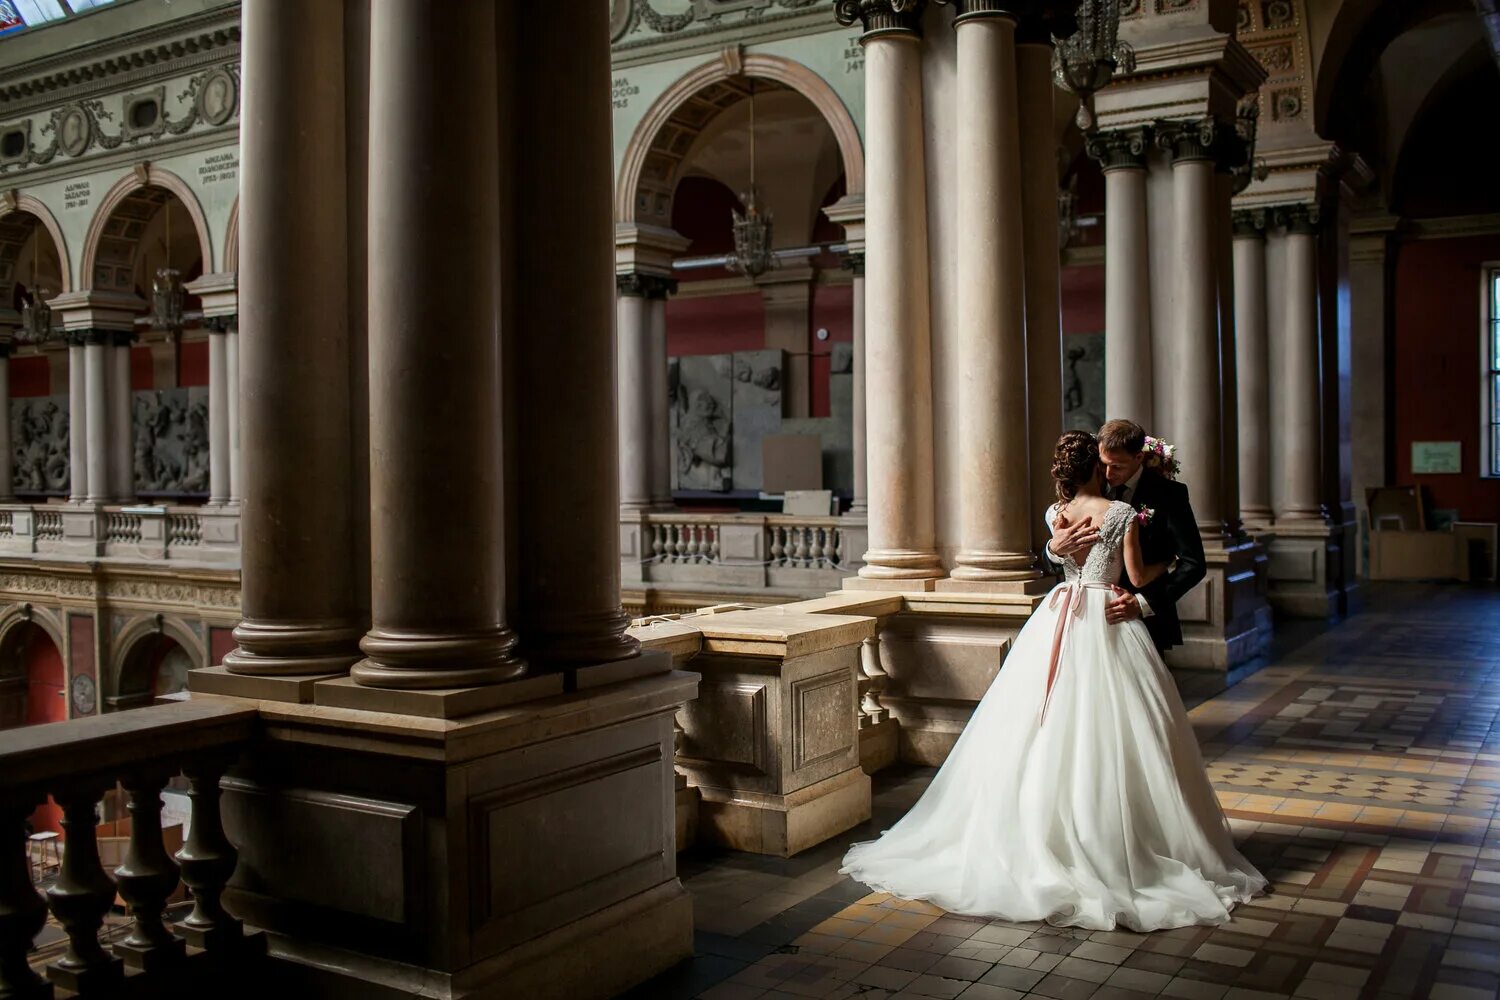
x=1306 y=571
x=296 y=690
x=1031 y=584
x=784 y=825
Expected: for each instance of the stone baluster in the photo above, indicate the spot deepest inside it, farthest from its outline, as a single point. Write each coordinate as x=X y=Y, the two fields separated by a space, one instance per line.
x=713 y=548
x=146 y=879
x=658 y=543
x=778 y=544
x=23 y=912
x=816 y=554
x=81 y=896
x=207 y=860
x=870 y=667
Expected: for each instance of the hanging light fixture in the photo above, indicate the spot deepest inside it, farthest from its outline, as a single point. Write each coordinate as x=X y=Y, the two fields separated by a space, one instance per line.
x=1085 y=61
x=167 y=295
x=36 y=314
x=752 y=228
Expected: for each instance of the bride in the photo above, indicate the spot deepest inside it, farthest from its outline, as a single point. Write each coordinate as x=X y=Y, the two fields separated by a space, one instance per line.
x=1076 y=794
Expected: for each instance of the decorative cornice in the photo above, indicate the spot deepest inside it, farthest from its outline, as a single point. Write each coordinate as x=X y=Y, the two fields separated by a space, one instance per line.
x=650 y=286
x=1250 y=223
x=1119 y=150
x=60 y=77
x=1302 y=220
x=881 y=18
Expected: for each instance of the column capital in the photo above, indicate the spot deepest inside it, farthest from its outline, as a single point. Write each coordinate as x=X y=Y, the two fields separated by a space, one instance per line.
x=226 y=323
x=1191 y=139
x=1250 y=223
x=649 y=286
x=854 y=261
x=1120 y=150
x=1303 y=220
x=881 y=18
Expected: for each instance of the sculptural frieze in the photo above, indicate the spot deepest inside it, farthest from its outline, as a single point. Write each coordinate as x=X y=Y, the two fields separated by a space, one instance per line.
x=39 y=445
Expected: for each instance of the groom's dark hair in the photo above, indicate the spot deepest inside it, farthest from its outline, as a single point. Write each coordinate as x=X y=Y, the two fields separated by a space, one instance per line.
x=1122 y=435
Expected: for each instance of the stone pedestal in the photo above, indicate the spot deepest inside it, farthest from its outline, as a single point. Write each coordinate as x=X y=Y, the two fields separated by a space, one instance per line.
x=1225 y=619
x=772 y=741
x=1310 y=568
x=523 y=852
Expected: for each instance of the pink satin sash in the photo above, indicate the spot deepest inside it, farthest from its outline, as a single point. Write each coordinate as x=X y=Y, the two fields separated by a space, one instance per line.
x=1070 y=596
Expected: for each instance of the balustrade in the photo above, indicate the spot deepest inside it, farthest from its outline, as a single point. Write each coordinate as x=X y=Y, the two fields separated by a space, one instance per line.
x=141 y=533
x=76 y=762
x=741 y=552
x=49 y=524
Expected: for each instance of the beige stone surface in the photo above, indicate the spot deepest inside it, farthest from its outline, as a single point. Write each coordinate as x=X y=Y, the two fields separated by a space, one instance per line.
x=781 y=633
x=436 y=703
x=256 y=687
x=785 y=825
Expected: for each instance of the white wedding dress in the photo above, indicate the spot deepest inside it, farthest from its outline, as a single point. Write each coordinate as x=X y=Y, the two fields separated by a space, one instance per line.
x=1097 y=815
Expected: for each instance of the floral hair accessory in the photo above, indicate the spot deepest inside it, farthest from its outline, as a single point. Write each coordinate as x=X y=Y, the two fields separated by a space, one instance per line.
x=1161 y=456
x=1145 y=516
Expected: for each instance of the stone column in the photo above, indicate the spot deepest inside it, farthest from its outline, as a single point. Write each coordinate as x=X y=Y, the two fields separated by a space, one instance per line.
x=1229 y=391
x=860 y=504
x=1128 y=388
x=642 y=376
x=218 y=413
x=96 y=388
x=1196 y=426
x=232 y=404
x=570 y=613
x=435 y=414
x=1039 y=188
x=994 y=484
x=1295 y=357
x=78 y=449
x=660 y=396
x=121 y=421
x=1253 y=364
x=1371 y=256
x=297 y=593
x=7 y=471
x=898 y=373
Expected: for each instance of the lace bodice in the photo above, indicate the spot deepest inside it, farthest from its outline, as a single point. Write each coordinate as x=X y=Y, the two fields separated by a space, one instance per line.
x=1106 y=560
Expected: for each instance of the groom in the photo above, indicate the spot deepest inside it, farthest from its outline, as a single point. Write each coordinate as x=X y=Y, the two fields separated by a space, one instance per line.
x=1171 y=535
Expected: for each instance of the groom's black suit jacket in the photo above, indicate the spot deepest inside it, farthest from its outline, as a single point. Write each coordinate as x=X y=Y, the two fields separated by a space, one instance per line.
x=1172 y=534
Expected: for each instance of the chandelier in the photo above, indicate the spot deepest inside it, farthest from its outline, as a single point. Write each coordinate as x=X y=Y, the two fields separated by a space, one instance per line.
x=36 y=314
x=1085 y=61
x=752 y=228
x=167 y=295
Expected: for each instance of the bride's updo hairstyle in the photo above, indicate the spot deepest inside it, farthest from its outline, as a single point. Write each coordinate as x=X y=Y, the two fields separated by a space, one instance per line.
x=1075 y=461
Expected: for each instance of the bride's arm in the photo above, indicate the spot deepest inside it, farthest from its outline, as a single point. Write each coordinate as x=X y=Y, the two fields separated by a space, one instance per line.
x=1135 y=563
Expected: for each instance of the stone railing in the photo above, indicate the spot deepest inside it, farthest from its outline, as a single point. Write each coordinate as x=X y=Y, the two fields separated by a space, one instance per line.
x=787 y=554
x=198 y=534
x=76 y=763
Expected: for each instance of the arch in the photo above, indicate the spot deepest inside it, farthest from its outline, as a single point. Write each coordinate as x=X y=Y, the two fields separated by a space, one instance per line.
x=35 y=208
x=20 y=614
x=790 y=74
x=126 y=647
x=143 y=176
x=232 y=239
x=18 y=624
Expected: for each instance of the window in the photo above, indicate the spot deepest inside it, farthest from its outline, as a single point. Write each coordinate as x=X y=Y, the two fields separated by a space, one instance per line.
x=1489 y=369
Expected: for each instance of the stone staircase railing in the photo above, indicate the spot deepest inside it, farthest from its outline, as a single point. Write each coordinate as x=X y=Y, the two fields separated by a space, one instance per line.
x=76 y=763
x=199 y=534
x=739 y=552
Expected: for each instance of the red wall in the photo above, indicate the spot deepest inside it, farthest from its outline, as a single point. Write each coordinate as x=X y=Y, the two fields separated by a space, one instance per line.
x=1083 y=299
x=832 y=310
x=30 y=376
x=192 y=364
x=1436 y=366
x=716 y=325
x=45 y=679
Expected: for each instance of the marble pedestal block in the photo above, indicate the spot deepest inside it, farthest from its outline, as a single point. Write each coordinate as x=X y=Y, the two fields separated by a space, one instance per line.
x=526 y=851
x=772 y=741
x=1225 y=619
x=1311 y=568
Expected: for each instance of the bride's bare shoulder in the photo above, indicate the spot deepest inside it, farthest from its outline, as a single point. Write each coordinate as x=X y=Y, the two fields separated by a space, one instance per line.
x=1089 y=506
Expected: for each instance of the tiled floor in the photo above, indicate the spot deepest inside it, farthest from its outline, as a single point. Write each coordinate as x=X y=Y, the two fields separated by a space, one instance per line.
x=1360 y=771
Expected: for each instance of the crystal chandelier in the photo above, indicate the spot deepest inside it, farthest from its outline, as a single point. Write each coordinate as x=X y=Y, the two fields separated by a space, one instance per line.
x=36 y=314
x=752 y=228
x=167 y=295
x=1085 y=61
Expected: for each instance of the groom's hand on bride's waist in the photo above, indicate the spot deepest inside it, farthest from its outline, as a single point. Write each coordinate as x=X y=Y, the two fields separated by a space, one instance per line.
x=1122 y=607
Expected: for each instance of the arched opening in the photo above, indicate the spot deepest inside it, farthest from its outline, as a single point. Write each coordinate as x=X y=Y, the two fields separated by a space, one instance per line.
x=145 y=232
x=33 y=271
x=155 y=666
x=33 y=691
x=750 y=357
